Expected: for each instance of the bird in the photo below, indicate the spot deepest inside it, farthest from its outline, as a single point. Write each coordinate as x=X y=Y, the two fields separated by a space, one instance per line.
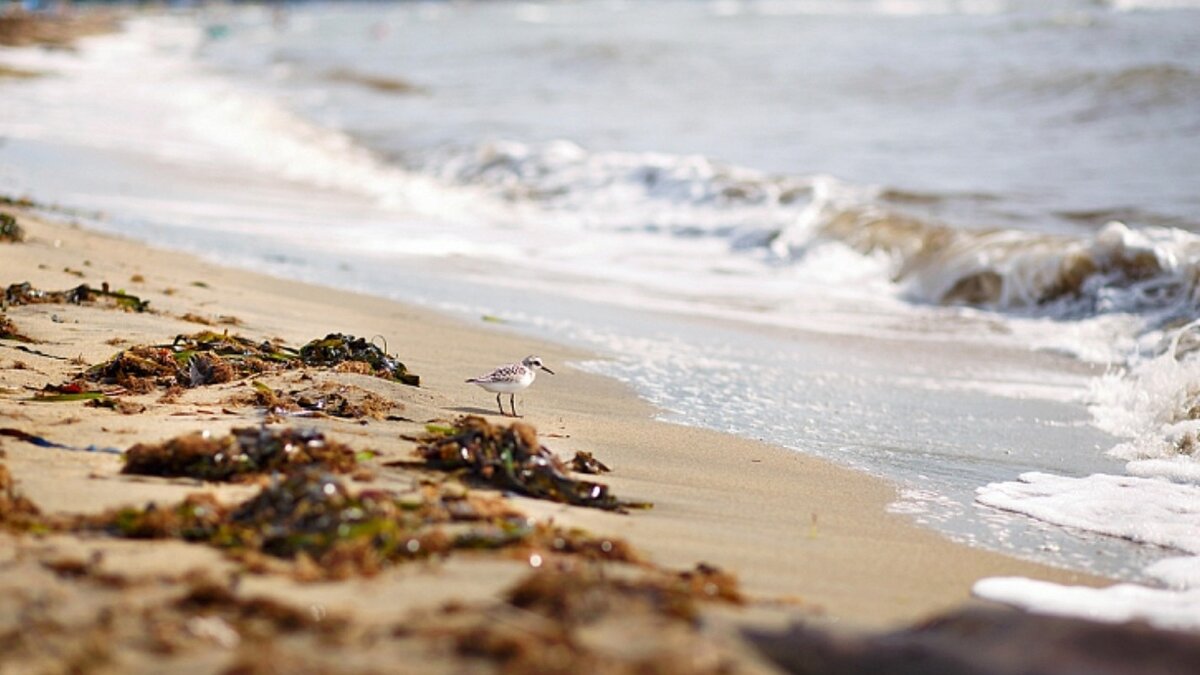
x=510 y=379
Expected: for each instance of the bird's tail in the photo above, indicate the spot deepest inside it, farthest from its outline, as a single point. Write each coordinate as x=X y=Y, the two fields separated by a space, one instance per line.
x=472 y=380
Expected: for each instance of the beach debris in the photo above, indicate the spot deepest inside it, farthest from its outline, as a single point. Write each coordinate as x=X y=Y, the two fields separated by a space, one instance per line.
x=73 y=391
x=123 y=406
x=10 y=231
x=35 y=352
x=9 y=331
x=209 y=357
x=985 y=641
x=328 y=399
x=139 y=369
x=25 y=294
x=45 y=443
x=511 y=458
x=338 y=349
x=244 y=454
x=205 y=369
x=311 y=519
x=584 y=462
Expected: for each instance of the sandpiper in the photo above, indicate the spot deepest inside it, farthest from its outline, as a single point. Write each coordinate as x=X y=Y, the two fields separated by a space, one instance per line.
x=510 y=379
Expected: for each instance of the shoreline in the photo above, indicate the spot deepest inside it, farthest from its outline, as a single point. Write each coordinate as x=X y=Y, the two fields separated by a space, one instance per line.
x=818 y=536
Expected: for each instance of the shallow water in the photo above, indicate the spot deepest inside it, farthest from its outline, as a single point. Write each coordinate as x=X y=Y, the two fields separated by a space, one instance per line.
x=873 y=231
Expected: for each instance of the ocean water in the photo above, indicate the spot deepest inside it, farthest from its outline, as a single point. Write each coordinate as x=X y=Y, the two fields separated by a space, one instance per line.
x=952 y=243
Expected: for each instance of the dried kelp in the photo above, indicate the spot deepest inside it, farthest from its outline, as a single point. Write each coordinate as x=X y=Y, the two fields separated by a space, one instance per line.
x=330 y=399
x=243 y=455
x=312 y=519
x=10 y=231
x=25 y=294
x=213 y=358
x=195 y=360
x=512 y=459
x=246 y=355
x=138 y=369
x=336 y=348
x=584 y=462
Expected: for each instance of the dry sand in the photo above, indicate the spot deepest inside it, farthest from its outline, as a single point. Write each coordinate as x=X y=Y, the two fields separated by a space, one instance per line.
x=807 y=539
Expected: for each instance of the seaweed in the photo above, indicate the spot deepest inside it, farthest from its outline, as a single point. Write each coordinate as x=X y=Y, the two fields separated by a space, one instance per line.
x=311 y=518
x=584 y=462
x=243 y=455
x=337 y=349
x=192 y=361
x=139 y=369
x=209 y=357
x=328 y=399
x=10 y=231
x=51 y=395
x=512 y=459
x=25 y=294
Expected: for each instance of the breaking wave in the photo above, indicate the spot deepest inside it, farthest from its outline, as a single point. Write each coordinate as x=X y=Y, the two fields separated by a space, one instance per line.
x=1152 y=271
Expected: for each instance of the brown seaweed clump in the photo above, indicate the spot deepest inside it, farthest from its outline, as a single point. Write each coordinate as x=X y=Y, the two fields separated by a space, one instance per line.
x=208 y=357
x=138 y=369
x=328 y=399
x=10 y=231
x=337 y=349
x=312 y=519
x=243 y=455
x=189 y=361
x=512 y=459
x=584 y=462
x=25 y=294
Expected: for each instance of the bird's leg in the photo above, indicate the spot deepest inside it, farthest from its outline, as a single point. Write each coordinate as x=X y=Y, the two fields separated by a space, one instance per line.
x=512 y=404
x=500 y=404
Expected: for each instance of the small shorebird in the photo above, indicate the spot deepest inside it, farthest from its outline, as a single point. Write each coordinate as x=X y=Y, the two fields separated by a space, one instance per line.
x=510 y=379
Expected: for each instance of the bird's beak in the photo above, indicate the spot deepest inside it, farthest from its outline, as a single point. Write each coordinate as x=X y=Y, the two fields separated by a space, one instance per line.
x=547 y=370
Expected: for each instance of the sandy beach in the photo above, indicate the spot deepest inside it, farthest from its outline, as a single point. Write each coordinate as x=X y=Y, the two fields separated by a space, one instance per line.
x=807 y=540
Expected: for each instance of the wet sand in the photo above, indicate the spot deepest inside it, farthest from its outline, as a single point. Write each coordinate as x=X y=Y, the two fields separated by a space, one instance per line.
x=807 y=540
